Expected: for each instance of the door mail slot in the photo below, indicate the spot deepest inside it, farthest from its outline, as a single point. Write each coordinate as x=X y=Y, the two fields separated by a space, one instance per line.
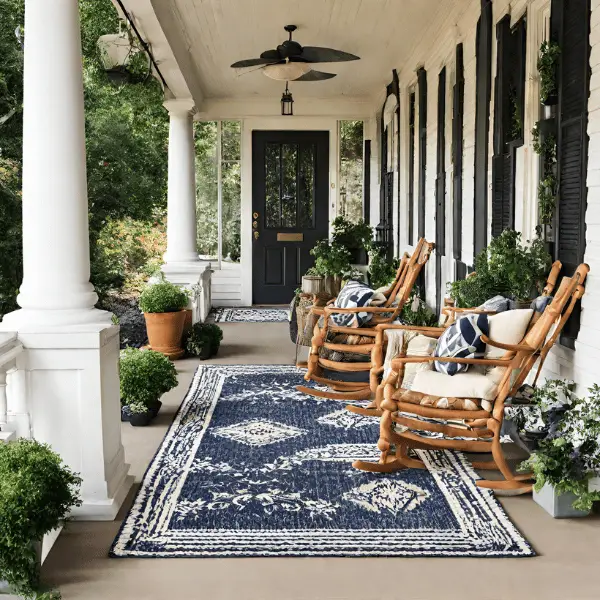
x=290 y=237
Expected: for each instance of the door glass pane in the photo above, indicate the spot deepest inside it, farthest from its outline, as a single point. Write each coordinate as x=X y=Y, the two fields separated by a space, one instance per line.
x=272 y=185
x=289 y=200
x=306 y=186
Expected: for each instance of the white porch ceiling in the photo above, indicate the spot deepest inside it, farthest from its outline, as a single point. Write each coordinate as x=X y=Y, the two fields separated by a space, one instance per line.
x=216 y=33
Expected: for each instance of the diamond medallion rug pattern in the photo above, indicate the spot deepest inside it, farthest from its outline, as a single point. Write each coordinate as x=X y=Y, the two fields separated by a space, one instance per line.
x=249 y=468
x=249 y=315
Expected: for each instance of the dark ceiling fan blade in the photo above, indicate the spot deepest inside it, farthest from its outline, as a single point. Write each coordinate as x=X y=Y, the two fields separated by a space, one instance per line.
x=252 y=62
x=271 y=54
x=314 y=54
x=316 y=76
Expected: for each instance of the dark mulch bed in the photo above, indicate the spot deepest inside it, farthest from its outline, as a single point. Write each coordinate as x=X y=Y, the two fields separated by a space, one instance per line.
x=131 y=320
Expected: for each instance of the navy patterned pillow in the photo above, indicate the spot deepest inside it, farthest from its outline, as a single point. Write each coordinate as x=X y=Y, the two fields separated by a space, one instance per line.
x=461 y=340
x=353 y=295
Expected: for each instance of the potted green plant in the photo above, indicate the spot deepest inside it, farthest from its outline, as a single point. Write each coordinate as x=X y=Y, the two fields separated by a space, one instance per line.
x=416 y=312
x=144 y=377
x=200 y=341
x=567 y=457
x=333 y=261
x=163 y=305
x=507 y=267
x=355 y=237
x=215 y=333
x=37 y=492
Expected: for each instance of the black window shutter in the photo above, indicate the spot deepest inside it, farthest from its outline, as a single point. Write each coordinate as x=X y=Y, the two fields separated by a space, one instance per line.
x=571 y=23
x=411 y=170
x=440 y=187
x=422 y=81
x=367 y=183
x=458 y=111
x=483 y=92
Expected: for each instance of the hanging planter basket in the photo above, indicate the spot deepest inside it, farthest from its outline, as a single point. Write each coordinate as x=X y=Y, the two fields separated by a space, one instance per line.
x=121 y=59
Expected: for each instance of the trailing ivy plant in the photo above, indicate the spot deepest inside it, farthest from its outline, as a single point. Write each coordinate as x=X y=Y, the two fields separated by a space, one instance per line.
x=506 y=267
x=546 y=65
x=547 y=188
x=569 y=454
x=37 y=492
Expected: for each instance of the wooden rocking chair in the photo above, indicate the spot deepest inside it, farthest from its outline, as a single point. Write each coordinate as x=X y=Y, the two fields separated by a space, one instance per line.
x=480 y=426
x=449 y=313
x=396 y=297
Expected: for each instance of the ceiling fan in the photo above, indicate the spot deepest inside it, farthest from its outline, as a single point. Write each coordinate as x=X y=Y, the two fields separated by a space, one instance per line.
x=292 y=62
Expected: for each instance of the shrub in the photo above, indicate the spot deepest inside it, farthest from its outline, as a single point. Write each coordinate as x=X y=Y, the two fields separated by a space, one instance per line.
x=163 y=297
x=416 y=312
x=202 y=335
x=351 y=235
x=381 y=272
x=569 y=454
x=145 y=376
x=506 y=267
x=37 y=491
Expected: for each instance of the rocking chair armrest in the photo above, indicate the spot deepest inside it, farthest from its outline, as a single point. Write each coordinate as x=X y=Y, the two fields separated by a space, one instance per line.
x=508 y=347
x=429 y=331
x=487 y=362
x=318 y=310
x=359 y=309
x=478 y=311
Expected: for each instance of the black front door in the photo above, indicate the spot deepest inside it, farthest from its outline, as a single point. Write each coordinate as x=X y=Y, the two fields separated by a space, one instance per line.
x=290 y=190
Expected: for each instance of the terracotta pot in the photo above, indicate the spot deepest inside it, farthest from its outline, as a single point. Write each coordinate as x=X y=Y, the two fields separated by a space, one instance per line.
x=165 y=331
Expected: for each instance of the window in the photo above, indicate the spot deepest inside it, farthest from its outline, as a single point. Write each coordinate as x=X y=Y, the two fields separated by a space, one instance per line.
x=218 y=185
x=351 y=170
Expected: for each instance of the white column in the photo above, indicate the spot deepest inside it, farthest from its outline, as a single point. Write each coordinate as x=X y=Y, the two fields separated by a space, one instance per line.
x=71 y=350
x=181 y=206
x=56 y=286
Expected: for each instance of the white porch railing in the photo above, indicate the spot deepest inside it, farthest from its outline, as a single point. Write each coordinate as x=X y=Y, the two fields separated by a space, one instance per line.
x=10 y=390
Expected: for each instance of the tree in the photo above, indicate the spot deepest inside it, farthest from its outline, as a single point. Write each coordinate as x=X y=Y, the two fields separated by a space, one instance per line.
x=126 y=140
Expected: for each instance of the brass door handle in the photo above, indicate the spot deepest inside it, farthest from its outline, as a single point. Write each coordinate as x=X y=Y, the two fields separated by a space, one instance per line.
x=256 y=235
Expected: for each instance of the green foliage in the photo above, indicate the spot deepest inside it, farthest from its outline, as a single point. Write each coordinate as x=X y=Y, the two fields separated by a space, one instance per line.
x=126 y=143
x=381 y=272
x=203 y=337
x=506 y=267
x=11 y=142
x=416 y=312
x=331 y=259
x=351 y=235
x=546 y=65
x=570 y=453
x=547 y=198
x=37 y=491
x=547 y=188
x=163 y=297
x=145 y=376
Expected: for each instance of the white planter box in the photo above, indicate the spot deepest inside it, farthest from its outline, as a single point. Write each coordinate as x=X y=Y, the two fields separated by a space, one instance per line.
x=559 y=506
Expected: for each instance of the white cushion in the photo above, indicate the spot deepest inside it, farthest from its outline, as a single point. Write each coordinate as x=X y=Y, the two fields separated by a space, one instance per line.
x=507 y=328
x=469 y=384
x=420 y=345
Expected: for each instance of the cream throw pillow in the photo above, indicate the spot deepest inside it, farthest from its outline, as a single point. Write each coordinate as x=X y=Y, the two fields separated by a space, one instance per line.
x=507 y=327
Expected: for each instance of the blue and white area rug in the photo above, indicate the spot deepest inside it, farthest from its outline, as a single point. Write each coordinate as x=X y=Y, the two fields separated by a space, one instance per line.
x=249 y=315
x=252 y=467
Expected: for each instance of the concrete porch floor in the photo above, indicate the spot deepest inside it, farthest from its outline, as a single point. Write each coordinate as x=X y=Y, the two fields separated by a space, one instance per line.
x=79 y=565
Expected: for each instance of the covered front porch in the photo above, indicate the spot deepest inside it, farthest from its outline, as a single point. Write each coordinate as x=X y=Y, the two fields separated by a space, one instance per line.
x=446 y=152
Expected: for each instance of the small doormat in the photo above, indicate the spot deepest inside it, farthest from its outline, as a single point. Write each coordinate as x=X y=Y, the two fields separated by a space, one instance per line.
x=252 y=467
x=249 y=315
